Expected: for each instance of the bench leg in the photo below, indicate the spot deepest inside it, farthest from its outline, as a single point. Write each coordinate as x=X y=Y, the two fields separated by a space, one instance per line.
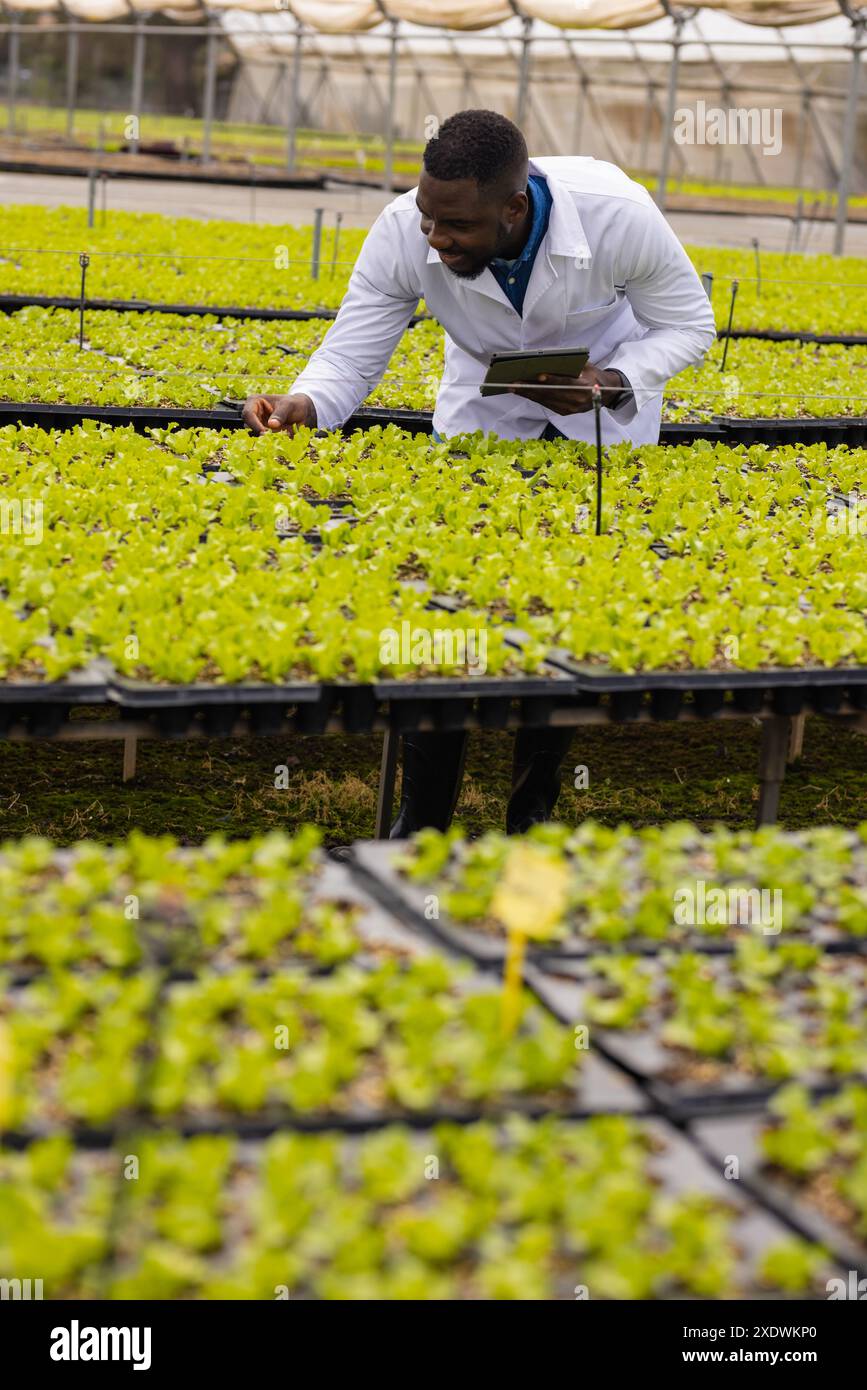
x=387 y=779
x=796 y=740
x=776 y=738
x=130 y=750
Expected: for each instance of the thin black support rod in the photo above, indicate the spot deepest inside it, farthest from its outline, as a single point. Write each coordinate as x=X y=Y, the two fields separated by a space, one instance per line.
x=728 y=338
x=597 y=411
x=338 y=220
x=84 y=262
x=316 y=251
x=755 y=244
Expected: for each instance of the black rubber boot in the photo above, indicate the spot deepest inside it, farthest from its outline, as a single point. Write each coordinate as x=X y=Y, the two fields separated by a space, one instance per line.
x=535 y=776
x=433 y=768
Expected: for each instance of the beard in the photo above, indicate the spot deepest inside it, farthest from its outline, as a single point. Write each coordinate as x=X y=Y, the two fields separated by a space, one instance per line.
x=478 y=266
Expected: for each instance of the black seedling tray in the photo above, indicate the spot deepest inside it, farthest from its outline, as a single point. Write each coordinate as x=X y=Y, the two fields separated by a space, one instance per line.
x=738 y=1136
x=851 y=432
x=795 y=335
x=268 y=707
x=634 y=1050
x=11 y=303
x=790 y=688
x=684 y=1167
x=405 y=898
x=44 y=706
x=599 y=1089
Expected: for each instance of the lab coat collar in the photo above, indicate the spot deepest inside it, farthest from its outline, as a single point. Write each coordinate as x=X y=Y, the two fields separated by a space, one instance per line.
x=565 y=237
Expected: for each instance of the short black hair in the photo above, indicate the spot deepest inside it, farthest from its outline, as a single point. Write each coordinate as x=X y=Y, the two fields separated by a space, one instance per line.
x=479 y=145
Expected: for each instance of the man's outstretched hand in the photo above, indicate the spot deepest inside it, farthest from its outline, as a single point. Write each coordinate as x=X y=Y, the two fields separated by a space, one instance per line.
x=268 y=414
x=575 y=392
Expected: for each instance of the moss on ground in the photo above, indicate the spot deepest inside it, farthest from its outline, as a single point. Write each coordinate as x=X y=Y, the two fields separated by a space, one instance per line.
x=646 y=774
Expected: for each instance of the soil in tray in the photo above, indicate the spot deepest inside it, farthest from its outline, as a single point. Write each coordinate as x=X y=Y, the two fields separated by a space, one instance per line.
x=613 y=1207
x=807 y=1160
x=420 y=1036
x=722 y=1026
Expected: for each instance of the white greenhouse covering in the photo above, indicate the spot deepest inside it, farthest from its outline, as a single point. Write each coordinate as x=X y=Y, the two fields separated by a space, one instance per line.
x=359 y=16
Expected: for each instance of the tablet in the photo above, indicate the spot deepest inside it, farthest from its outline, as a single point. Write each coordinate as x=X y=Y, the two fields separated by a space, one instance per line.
x=526 y=366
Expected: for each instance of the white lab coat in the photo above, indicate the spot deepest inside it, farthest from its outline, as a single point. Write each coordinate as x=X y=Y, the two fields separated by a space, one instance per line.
x=610 y=276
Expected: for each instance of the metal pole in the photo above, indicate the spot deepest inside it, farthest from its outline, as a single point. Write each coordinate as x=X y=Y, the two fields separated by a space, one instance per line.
x=91 y=195
x=849 y=130
x=803 y=115
x=210 y=89
x=524 y=72
x=578 y=123
x=338 y=220
x=294 y=98
x=643 y=155
x=14 y=63
x=138 y=60
x=71 y=81
x=388 y=180
x=673 y=72
x=317 y=242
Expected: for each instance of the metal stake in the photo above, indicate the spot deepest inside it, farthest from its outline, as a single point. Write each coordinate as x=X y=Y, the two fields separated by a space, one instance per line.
x=91 y=195
x=317 y=242
x=597 y=411
x=755 y=243
x=84 y=262
x=338 y=220
x=735 y=284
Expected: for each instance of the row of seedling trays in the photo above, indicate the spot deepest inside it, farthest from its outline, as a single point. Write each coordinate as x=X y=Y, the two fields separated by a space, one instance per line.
x=849 y=431
x=722 y=1107
x=604 y=1084
x=43 y=708
x=11 y=303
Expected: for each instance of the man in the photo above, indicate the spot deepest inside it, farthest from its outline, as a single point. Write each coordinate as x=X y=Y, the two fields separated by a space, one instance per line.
x=509 y=253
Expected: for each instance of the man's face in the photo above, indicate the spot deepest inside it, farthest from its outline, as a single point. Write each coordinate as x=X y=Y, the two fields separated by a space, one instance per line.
x=466 y=225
